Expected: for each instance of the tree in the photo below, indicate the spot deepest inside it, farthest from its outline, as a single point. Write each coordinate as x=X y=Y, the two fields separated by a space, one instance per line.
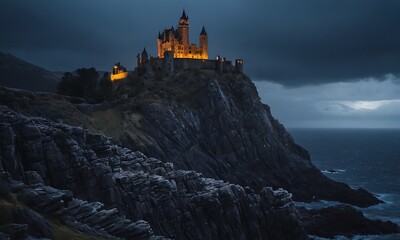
x=106 y=89
x=70 y=86
x=88 y=80
x=83 y=85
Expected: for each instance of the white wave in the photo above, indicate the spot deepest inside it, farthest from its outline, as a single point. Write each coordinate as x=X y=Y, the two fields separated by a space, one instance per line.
x=333 y=171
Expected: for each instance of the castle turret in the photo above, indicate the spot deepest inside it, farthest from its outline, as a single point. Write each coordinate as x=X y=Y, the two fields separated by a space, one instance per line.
x=144 y=56
x=239 y=65
x=204 y=43
x=183 y=28
x=219 y=64
x=138 y=60
x=159 y=45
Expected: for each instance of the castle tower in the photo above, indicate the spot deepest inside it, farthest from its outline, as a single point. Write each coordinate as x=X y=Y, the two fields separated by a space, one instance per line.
x=177 y=41
x=169 y=62
x=204 y=43
x=239 y=65
x=219 y=64
x=138 y=60
x=183 y=28
x=159 y=45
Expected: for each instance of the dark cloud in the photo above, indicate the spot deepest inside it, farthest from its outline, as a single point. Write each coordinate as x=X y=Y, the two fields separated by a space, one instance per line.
x=290 y=42
x=328 y=41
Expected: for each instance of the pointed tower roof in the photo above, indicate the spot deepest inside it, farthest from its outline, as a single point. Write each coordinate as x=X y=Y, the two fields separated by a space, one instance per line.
x=144 y=51
x=203 y=32
x=184 y=16
x=159 y=35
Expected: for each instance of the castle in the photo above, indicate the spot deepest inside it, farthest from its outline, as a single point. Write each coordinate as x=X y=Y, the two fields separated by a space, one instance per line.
x=177 y=41
x=176 y=53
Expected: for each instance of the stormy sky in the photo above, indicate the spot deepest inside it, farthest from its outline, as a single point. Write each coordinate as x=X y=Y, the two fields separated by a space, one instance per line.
x=318 y=63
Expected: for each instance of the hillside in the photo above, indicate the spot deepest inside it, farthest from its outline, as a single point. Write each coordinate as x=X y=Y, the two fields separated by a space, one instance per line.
x=16 y=73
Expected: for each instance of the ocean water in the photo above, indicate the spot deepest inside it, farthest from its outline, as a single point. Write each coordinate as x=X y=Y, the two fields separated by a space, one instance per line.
x=367 y=158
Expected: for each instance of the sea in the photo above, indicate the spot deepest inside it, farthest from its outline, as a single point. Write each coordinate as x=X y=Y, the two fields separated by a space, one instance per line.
x=367 y=158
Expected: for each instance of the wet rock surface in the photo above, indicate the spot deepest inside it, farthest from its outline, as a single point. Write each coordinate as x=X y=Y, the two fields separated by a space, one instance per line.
x=90 y=185
x=343 y=220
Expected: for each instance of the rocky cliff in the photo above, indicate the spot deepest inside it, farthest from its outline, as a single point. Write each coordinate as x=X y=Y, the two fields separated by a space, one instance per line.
x=344 y=220
x=216 y=125
x=58 y=179
x=202 y=121
x=81 y=183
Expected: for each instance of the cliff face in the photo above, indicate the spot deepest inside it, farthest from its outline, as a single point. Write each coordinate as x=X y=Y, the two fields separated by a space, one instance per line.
x=113 y=192
x=217 y=125
x=56 y=173
x=202 y=121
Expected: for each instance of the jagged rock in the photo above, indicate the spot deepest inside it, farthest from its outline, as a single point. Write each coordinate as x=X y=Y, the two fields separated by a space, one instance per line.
x=217 y=125
x=343 y=220
x=76 y=214
x=37 y=225
x=213 y=124
x=202 y=121
x=32 y=177
x=4 y=183
x=4 y=236
x=230 y=135
x=15 y=231
x=151 y=194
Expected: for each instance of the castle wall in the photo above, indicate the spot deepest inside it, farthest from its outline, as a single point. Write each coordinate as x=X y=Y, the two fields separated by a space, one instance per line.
x=228 y=67
x=187 y=63
x=169 y=65
x=164 y=64
x=239 y=65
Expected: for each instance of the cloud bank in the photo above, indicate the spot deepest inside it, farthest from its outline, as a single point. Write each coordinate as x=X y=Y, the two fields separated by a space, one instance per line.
x=293 y=43
x=367 y=103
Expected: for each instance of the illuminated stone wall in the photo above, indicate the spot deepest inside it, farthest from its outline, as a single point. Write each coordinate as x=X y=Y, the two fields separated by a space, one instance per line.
x=119 y=76
x=194 y=52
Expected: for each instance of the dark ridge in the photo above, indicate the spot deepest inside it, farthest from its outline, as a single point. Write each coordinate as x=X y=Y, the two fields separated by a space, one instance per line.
x=16 y=73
